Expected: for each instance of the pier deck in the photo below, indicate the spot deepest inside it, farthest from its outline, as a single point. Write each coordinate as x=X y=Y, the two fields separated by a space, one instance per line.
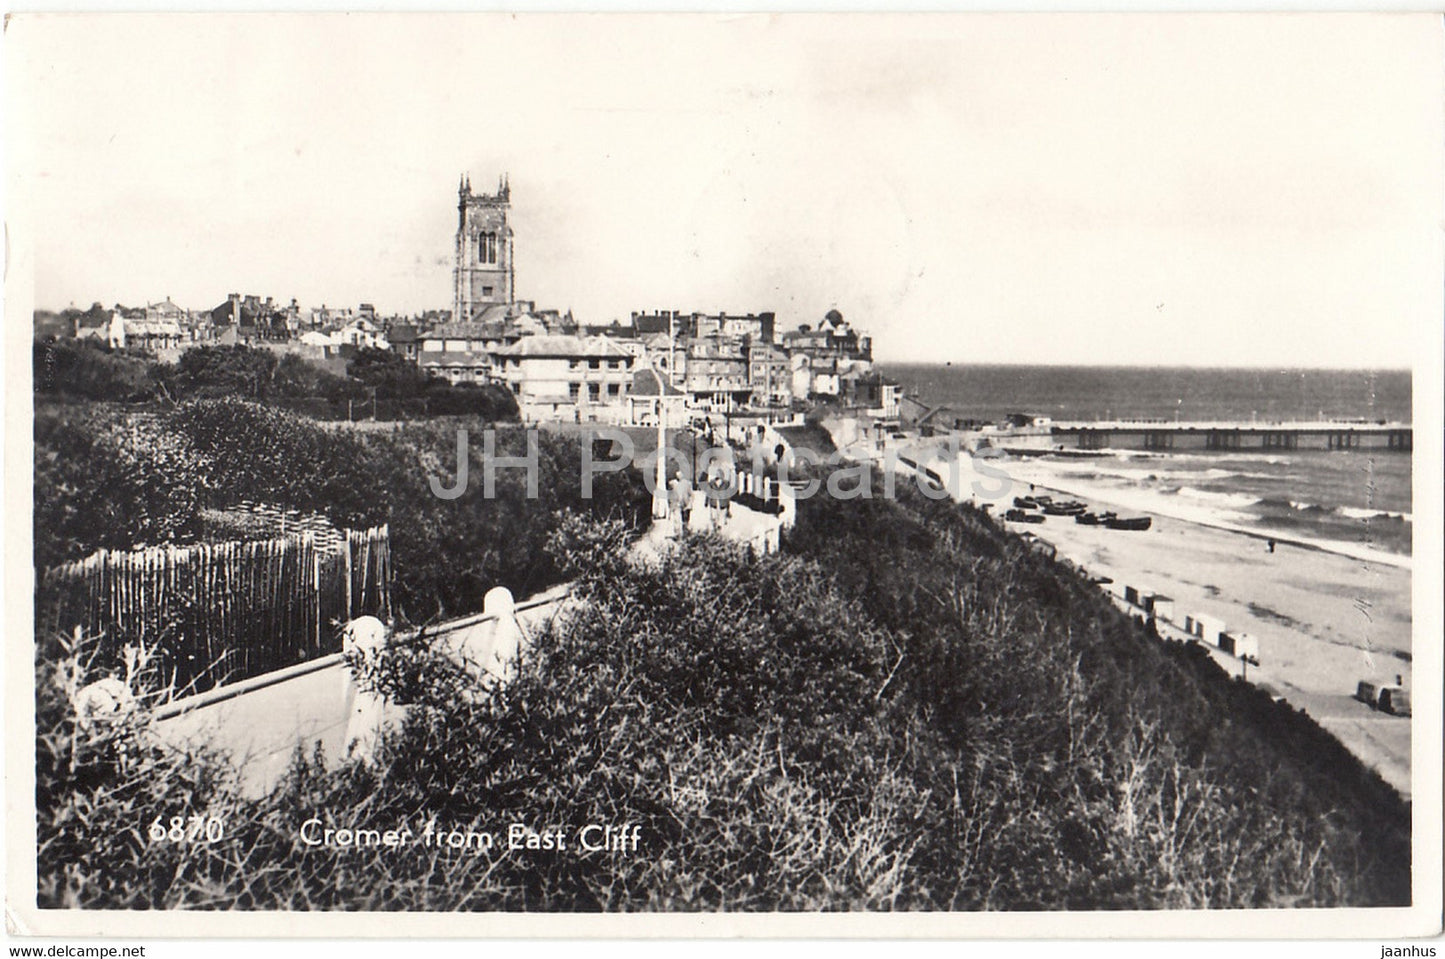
x=1169 y=435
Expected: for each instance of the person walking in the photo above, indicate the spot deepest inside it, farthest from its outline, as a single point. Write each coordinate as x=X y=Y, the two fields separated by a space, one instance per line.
x=716 y=499
x=680 y=502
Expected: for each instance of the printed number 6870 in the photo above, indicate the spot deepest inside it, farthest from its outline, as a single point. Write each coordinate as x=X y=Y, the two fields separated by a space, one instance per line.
x=188 y=829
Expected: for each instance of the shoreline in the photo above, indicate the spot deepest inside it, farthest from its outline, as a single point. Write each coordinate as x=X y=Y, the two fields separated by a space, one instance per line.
x=1340 y=548
x=1037 y=473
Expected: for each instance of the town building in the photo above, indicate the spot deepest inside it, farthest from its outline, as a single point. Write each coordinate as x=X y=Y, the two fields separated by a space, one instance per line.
x=716 y=377
x=756 y=327
x=405 y=340
x=822 y=357
x=770 y=376
x=361 y=333
x=671 y=322
x=104 y=326
x=651 y=396
x=148 y=330
x=458 y=367
x=566 y=377
x=872 y=393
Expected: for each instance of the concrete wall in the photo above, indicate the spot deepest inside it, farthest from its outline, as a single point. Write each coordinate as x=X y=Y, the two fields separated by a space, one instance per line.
x=260 y=723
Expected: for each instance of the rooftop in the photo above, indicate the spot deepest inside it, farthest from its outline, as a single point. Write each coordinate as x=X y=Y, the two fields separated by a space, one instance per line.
x=646 y=382
x=565 y=346
x=468 y=359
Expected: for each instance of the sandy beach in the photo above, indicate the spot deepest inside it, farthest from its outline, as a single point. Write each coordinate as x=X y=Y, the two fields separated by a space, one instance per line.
x=1325 y=619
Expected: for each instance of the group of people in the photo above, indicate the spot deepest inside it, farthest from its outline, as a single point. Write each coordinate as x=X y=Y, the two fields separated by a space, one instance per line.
x=717 y=487
x=716 y=475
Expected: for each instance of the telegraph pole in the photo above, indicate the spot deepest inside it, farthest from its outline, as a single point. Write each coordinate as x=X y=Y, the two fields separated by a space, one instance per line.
x=659 y=492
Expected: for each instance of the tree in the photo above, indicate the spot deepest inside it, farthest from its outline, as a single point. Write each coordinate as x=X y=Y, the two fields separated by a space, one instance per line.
x=392 y=376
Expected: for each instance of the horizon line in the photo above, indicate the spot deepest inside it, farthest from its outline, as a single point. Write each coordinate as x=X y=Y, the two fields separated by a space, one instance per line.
x=978 y=364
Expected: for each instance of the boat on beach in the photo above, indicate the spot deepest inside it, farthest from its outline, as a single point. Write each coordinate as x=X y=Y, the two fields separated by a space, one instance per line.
x=1020 y=516
x=1129 y=522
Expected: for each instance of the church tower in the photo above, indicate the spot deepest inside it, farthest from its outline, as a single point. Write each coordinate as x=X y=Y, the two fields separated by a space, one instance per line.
x=483 y=274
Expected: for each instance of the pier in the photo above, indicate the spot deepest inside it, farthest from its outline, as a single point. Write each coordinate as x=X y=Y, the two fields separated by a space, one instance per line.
x=1177 y=436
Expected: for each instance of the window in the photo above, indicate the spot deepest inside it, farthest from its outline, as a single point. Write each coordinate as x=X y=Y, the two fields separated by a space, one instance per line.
x=594 y=364
x=486 y=247
x=614 y=389
x=573 y=391
x=594 y=392
x=486 y=291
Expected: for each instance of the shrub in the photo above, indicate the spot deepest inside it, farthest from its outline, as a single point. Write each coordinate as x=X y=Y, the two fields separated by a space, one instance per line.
x=447 y=553
x=782 y=749
x=99 y=785
x=380 y=384
x=1154 y=774
x=90 y=370
x=263 y=454
x=106 y=480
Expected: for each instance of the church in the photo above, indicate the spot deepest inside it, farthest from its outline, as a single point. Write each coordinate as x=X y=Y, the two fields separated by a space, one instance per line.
x=484 y=273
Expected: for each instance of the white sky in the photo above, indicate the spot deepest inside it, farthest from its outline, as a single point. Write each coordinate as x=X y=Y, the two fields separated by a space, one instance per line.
x=1200 y=190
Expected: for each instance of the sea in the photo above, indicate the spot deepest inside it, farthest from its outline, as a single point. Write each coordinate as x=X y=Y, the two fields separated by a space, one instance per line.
x=1360 y=496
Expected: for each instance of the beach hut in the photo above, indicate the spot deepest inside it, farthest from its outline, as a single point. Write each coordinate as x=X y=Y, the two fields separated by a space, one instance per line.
x=1385 y=696
x=1161 y=606
x=1246 y=645
x=1239 y=644
x=1131 y=595
x=1211 y=629
x=1395 y=700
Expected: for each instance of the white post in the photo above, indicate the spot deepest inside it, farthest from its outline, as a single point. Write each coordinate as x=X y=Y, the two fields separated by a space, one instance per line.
x=659 y=489
x=506 y=646
x=365 y=635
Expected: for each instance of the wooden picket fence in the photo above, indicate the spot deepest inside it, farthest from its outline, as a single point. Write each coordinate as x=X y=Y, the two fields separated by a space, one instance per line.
x=221 y=612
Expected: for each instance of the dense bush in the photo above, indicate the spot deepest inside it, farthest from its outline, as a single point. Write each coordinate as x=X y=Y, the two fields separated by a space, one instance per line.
x=1138 y=768
x=378 y=384
x=107 y=478
x=109 y=481
x=722 y=706
x=908 y=709
x=782 y=748
x=267 y=455
x=100 y=784
x=87 y=369
x=449 y=552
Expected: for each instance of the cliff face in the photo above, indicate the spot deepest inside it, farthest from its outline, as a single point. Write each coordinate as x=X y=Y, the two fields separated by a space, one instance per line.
x=1145 y=767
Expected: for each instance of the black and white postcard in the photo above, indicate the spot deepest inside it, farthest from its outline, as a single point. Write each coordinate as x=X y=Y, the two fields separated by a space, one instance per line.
x=596 y=474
